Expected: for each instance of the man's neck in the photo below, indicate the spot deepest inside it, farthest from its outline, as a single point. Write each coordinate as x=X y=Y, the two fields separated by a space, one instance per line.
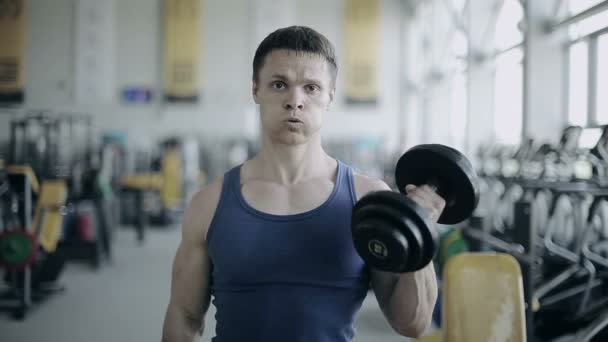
x=290 y=164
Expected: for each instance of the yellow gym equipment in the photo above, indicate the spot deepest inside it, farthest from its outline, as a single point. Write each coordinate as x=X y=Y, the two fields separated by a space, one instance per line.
x=27 y=172
x=168 y=184
x=48 y=217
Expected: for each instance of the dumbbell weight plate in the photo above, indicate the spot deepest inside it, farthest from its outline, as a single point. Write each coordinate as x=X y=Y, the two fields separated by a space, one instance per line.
x=381 y=246
x=421 y=222
x=393 y=227
x=458 y=186
x=401 y=214
x=18 y=249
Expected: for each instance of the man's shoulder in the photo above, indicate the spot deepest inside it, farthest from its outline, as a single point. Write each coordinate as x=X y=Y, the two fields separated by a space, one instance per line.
x=202 y=207
x=365 y=184
x=208 y=193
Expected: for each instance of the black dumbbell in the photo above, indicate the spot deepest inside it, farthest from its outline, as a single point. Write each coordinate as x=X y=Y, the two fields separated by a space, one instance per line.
x=391 y=232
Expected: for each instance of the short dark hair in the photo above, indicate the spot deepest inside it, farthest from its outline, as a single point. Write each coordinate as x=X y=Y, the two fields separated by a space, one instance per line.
x=299 y=39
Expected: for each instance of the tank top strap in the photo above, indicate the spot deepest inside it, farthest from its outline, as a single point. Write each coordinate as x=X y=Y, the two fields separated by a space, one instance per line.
x=348 y=180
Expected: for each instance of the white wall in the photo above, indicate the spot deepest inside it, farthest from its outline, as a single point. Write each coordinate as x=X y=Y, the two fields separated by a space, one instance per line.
x=49 y=59
x=224 y=73
x=379 y=121
x=231 y=31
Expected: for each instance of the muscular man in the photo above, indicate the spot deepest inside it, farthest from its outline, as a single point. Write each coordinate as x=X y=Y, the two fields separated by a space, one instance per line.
x=270 y=241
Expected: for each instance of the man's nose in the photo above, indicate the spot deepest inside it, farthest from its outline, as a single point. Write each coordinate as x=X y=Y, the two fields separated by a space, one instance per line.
x=294 y=100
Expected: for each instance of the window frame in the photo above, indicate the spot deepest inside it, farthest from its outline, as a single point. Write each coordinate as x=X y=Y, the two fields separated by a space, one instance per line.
x=592 y=75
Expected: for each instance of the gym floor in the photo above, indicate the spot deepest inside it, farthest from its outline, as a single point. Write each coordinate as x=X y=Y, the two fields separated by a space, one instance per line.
x=126 y=301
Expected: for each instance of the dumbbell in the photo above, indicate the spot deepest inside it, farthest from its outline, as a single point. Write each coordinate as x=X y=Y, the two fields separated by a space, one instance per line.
x=393 y=233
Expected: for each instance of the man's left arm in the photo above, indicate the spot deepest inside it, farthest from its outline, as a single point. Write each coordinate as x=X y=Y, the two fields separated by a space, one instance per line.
x=407 y=299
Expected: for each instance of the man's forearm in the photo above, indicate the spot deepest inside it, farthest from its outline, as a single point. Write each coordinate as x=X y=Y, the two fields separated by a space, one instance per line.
x=410 y=300
x=180 y=326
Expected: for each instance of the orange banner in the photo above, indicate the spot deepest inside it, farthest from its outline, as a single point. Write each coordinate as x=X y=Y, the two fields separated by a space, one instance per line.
x=12 y=51
x=362 y=50
x=182 y=57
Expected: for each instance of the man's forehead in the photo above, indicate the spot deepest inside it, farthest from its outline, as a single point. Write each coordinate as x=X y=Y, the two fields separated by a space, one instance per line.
x=286 y=62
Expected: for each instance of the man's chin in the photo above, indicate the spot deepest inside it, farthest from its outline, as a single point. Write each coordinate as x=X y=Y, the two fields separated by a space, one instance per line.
x=291 y=139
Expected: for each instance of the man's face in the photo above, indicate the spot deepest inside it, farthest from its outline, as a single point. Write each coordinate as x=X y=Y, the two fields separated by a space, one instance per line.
x=293 y=91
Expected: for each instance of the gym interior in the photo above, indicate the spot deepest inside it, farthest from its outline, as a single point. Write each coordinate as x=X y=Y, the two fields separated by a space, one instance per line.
x=115 y=113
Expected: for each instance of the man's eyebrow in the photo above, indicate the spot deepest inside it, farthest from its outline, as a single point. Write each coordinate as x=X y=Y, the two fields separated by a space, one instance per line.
x=285 y=78
x=279 y=76
x=312 y=80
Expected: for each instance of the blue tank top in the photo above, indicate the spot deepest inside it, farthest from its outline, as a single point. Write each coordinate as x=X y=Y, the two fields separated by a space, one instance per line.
x=285 y=277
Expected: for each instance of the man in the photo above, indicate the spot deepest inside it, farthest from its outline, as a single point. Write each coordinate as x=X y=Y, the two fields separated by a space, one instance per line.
x=271 y=239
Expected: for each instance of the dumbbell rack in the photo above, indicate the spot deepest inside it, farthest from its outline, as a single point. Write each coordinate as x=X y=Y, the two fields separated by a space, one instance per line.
x=524 y=246
x=525 y=234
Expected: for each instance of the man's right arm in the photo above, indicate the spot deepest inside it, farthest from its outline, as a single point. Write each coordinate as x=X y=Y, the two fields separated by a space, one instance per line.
x=190 y=293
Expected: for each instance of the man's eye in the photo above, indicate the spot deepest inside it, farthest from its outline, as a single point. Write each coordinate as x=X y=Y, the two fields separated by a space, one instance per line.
x=312 y=88
x=278 y=85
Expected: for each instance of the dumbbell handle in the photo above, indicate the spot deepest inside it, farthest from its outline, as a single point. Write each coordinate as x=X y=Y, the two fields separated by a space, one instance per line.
x=434 y=185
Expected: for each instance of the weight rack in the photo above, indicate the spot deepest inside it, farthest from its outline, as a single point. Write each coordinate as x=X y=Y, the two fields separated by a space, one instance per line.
x=20 y=298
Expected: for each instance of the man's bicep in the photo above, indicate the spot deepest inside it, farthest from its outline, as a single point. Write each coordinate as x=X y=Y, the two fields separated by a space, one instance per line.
x=364 y=185
x=190 y=279
x=190 y=284
x=383 y=284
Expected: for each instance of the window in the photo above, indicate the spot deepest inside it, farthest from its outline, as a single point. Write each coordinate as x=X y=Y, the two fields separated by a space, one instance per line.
x=507 y=25
x=459 y=5
x=587 y=25
x=458 y=113
x=508 y=97
x=458 y=85
x=588 y=66
x=602 y=80
x=577 y=6
x=459 y=45
x=508 y=76
x=577 y=85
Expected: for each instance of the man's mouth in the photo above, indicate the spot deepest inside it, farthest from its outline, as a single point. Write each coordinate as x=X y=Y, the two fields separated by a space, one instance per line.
x=293 y=120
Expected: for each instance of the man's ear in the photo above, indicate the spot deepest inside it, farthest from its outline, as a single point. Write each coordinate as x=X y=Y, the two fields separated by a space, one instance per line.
x=332 y=93
x=254 y=91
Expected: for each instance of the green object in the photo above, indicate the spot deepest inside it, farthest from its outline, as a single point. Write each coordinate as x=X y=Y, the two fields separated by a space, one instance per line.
x=451 y=243
x=105 y=189
x=17 y=249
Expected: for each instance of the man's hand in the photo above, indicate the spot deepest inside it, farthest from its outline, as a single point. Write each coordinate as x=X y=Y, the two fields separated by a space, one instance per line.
x=427 y=198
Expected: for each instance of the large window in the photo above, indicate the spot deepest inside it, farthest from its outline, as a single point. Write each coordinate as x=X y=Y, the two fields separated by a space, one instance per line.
x=602 y=80
x=455 y=41
x=577 y=6
x=439 y=47
x=590 y=24
x=577 y=84
x=508 y=31
x=508 y=98
x=459 y=90
x=508 y=78
x=587 y=53
x=458 y=114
